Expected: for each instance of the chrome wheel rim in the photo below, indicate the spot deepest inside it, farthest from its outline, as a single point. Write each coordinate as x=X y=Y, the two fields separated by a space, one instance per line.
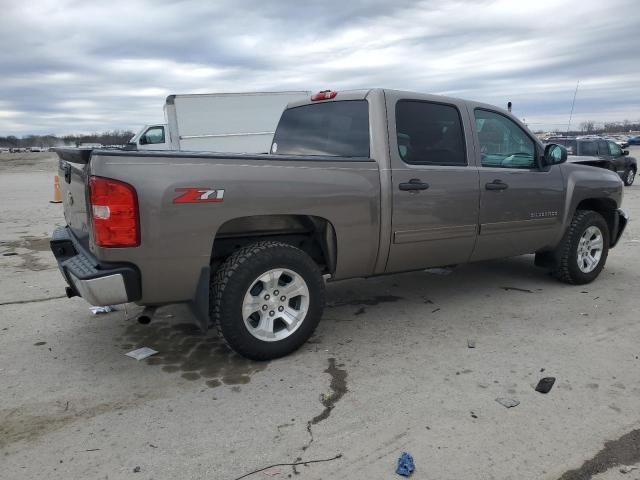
x=275 y=305
x=590 y=249
x=631 y=176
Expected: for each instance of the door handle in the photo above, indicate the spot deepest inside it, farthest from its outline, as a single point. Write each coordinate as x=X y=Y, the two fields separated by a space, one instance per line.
x=496 y=185
x=413 y=185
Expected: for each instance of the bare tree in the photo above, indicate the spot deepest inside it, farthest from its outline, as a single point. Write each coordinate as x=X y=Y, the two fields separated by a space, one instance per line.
x=588 y=126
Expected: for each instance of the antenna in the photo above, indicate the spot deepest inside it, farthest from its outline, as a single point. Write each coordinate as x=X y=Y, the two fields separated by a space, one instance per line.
x=573 y=105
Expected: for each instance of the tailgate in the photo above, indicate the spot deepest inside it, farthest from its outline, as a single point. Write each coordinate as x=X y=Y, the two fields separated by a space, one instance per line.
x=72 y=170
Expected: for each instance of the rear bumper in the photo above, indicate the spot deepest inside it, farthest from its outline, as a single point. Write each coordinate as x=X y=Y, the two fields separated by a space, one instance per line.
x=98 y=283
x=620 y=223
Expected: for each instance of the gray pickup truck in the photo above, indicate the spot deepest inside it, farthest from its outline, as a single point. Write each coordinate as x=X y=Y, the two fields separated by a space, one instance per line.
x=357 y=183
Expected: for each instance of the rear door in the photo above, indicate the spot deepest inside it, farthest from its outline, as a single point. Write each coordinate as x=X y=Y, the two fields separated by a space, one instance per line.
x=434 y=181
x=520 y=202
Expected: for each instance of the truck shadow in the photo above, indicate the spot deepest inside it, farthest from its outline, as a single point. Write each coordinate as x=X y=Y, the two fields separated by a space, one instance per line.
x=184 y=349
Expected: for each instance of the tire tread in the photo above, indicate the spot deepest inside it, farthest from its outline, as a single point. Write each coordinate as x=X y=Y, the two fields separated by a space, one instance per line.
x=225 y=271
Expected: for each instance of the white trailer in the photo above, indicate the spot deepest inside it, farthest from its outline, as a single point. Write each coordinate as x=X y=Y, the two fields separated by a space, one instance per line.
x=219 y=122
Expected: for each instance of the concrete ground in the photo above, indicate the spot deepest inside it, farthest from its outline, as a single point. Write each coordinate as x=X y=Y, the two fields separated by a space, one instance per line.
x=389 y=370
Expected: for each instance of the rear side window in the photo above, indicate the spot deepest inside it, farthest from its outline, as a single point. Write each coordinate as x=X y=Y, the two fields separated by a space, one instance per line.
x=429 y=134
x=603 y=147
x=338 y=129
x=589 y=149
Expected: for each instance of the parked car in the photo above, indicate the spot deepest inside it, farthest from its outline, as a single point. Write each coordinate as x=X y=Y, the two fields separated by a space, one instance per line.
x=358 y=183
x=602 y=153
x=634 y=140
x=217 y=122
x=622 y=143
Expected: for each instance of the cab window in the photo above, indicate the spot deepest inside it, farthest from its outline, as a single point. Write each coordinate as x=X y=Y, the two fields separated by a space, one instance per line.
x=503 y=144
x=153 y=136
x=589 y=149
x=614 y=149
x=429 y=134
x=603 y=148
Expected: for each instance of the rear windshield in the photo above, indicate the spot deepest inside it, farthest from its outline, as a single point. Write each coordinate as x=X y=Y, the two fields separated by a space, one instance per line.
x=339 y=129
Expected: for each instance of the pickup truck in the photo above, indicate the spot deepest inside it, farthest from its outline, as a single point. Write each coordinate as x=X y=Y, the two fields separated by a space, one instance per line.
x=600 y=152
x=356 y=184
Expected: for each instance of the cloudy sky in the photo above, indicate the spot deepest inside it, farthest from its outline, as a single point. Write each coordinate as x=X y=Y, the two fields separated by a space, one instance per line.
x=83 y=66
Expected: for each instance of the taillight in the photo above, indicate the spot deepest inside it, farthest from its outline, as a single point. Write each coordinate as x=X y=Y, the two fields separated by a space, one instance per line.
x=114 y=212
x=323 y=95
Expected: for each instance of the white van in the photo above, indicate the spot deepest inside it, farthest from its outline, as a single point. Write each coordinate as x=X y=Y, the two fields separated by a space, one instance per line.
x=219 y=122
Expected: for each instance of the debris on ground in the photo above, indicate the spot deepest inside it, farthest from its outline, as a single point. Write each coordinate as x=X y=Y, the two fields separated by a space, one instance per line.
x=104 y=309
x=136 y=470
x=508 y=402
x=471 y=343
x=298 y=461
x=141 y=353
x=516 y=289
x=405 y=465
x=9 y=254
x=544 y=385
x=439 y=271
x=627 y=468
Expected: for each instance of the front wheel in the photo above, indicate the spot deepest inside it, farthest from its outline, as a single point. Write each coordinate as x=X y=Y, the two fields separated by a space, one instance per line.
x=629 y=177
x=584 y=248
x=267 y=299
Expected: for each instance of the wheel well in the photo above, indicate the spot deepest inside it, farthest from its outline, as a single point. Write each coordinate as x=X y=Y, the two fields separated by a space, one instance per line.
x=604 y=206
x=313 y=235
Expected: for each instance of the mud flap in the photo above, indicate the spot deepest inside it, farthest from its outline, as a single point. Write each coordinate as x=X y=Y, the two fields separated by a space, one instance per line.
x=200 y=304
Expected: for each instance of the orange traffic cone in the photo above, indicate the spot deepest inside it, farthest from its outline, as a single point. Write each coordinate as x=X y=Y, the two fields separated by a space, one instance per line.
x=57 y=196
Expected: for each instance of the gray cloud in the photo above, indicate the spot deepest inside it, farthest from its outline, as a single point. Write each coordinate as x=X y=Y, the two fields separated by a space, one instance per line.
x=73 y=66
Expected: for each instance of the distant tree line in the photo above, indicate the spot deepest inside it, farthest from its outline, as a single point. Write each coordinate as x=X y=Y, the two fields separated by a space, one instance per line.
x=609 y=127
x=112 y=137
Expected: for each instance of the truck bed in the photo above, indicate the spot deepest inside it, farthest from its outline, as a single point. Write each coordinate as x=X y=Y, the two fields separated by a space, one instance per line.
x=179 y=237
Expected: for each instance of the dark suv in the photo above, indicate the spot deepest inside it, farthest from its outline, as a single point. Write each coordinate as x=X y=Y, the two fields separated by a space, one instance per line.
x=600 y=152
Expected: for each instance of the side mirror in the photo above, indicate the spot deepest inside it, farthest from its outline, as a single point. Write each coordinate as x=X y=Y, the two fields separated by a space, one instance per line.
x=625 y=153
x=554 y=154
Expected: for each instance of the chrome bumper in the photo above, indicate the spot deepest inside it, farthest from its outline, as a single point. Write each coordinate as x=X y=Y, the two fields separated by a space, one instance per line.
x=98 y=283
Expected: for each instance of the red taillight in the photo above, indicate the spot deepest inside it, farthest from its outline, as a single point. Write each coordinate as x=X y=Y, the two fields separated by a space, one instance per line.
x=323 y=95
x=114 y=211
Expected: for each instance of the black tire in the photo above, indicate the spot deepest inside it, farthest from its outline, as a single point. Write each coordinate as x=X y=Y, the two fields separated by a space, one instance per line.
x=231 y=281
x=629 y=176
x=567 y=269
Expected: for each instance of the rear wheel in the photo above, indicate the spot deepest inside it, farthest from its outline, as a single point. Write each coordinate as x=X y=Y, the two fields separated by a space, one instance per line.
x=267 y=299
x=629 y=177
x=584 y=248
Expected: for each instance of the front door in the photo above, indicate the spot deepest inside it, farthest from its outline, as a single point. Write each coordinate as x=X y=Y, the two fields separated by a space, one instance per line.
x=520 y=202
x=615 y=155
x=435 y=185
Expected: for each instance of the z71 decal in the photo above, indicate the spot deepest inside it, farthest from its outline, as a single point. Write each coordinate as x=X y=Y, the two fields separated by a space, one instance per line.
x=199 y=195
